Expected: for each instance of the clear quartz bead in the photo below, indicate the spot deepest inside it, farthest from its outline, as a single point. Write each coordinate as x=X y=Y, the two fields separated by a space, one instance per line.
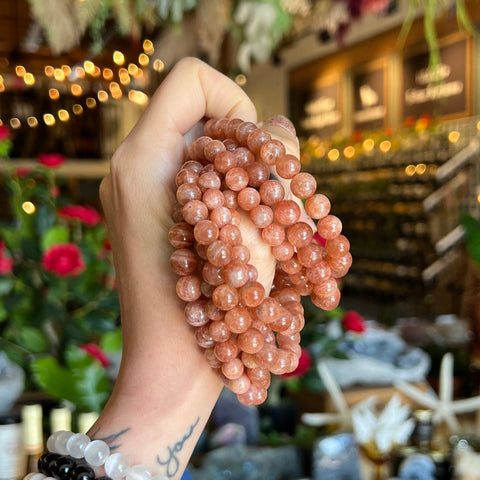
x=38 y=476
x=76 y=445
x=116 y=466
x=52 y=439
x=61 y=442
x=139 y=472
x=96 y=453
x=29 y=476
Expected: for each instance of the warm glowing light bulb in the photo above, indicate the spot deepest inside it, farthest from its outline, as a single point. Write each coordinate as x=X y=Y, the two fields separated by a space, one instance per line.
x=333 y=155
x=368 y=144
x=116 y=94
x=138 y=97
x=15 y=123
x=96 y=72
x=118 y=57
x=89 y=66
x=76 y=89
x=77 y=109
x=67 y=70
x=20 y=70
x=79 y=72
x=420 y=169
x=28 y=208
x=113 y=86
x=2 y=87
x=349 y=152
x=143 y=60
x=478 y=125
x=29 y=79
x=32 y=122
x=91 y=102
x=59 y=75
x=49 y=119
x=107 y=74
x=148 y=47
x=241 y=79
x=49 y=70
x=102 y=96
x=63 y=115
x=158 y=65
x=54 y=94
x=453 y=136
x=124 y=78
x=132 y=69
x=410 y=170
x=385 y=146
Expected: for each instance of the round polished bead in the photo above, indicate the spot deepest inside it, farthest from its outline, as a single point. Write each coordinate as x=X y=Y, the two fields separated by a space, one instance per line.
x=235 y=274
x=37 y=476
x=211 y=358
x=288 y=166
x=196 y=148
x=219 y=331
x=300 y=234
x=46 y=460
x=189 y=288
x=238 y=319
x=221 y=216
x=186 y=175
x=61 y=440
x=194 y=211
x=177 y=212
x=203 y=338
x=251 y=341
x=267 y=356
x=236 y=179
x=52 y=439
x=183 y=261
x=97 y=452
x=271 y=150
x=282 y=323
x=329 y=227
x=271 y=192
x=284 y=340
x=231 y=127
x=224 y=161
x=240 y=385
x=213 y=312
x=286 y=295
x=291 y=266
x=243 y=157
x=283 y=252
x=233 y=369
x=187 y=192
x=243 y=131
x=117 y=466
x=340 y=265
x=213 y=198
x=236 y=218
x=338 y=246
x=267 y=332
x=180 y=235
x=201 y=252
x=82 y=472
x=252 y=272
x=219 y=127
x=195 y=313
x=139 y=472
x=212 y=148
x=205 y=232
x=273 y=234
x=248 y=198
x=327 y=302
x=303 y=185
x=226 y=351
x=319 y=272
x=212 y=274
x=311 y=254
x=261 y=216
x=259 y=376
x=254 y=396
x=193 y=165
x=230 y=199
x=326 y=287
x=230 y=144
x=258 y=173
x=76 y=445
x=251 y=294
x=230 y=234
x=287 y=212
x=225 y=297
x=208 y=127
x=256 y=139
x=219 y=253
x=268 y=311
x=240 y=253
x=209 y=180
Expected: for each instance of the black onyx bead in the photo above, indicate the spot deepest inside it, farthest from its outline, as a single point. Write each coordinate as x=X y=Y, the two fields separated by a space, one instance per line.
x=82 y=472
x=104 y=478
x=45 y=461
x=62 y=467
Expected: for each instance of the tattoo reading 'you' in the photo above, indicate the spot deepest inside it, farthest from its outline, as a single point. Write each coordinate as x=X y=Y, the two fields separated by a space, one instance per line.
x=171 y=461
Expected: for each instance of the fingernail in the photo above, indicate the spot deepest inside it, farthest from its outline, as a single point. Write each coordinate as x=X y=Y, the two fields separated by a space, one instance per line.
x=281 y=121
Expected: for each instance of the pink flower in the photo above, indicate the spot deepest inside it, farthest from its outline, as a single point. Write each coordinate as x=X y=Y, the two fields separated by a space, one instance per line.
x=6 y=263
x=304 y=364
x=64 y=259
x=96 y=352
x=51 y=160
x=4 y=133
x=352 y=321
x=87 y=215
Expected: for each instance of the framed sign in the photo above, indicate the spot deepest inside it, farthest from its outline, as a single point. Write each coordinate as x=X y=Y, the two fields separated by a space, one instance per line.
x=445 y=90
x=369 y=96
x=317 y=110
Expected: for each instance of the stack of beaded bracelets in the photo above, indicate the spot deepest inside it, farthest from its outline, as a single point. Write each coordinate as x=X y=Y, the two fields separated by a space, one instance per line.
x=247 y=334
x=73 y=456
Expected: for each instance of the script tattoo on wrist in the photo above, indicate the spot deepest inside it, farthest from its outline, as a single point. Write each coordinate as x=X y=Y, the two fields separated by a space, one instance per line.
x=110 y=440
x=171 y=461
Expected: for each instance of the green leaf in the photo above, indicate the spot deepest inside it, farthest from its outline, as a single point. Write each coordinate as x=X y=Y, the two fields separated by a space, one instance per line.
x=11 y=237
x=92 y=386
x=54 y=379
x=54 y=235
x=44 y=219
x=34 y=339
x=111 y=342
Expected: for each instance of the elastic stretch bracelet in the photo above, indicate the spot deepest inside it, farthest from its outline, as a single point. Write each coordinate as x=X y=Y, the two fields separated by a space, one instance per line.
x=74 y=456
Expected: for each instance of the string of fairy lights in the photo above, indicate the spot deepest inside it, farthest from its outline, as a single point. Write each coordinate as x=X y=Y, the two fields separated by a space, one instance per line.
x=113 y=84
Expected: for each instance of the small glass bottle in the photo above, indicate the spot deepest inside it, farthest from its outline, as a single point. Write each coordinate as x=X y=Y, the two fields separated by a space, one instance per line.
x=60 y=419
x=12 y=451
x=32 y=417
x=422 y=434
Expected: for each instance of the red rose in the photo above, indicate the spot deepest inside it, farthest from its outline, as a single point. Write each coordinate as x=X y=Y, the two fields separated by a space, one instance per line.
x=6 y=263
x=51 y=159
x=87 y=215
x=96 y=352
x=64 y=259
x=353 y=322
x=4 y=133
x=304 y=364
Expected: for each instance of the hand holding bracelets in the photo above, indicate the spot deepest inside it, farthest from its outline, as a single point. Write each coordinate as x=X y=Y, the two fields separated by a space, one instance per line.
x=247 y=334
